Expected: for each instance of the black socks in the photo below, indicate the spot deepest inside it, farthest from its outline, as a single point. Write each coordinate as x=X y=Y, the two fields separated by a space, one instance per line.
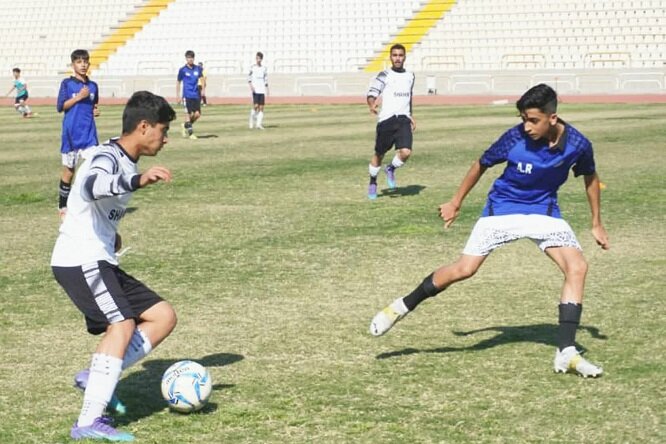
x=424 y=291
x=569 y=319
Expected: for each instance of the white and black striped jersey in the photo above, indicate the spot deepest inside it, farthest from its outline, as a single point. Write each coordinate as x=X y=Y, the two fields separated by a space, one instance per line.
x=258 y=78
x=102 y=188
x=396 y=89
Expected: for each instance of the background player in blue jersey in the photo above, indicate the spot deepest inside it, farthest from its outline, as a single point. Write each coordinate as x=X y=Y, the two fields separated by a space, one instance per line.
x=21 y=87
x=77 y=98
x=189 y=75
x=522 y=203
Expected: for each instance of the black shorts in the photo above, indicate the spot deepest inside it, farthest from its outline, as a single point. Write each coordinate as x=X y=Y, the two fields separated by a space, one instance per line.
x=259 y=99
x=105 y=294
x=21 y=97
x=193 y=105
x=396 y=130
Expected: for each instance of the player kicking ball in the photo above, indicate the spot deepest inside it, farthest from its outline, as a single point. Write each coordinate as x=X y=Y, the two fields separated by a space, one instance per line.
x=522 y=203
x=133 y=318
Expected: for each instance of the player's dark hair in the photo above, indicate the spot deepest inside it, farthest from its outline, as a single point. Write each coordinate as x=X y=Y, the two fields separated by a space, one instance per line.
x=397 y=46
x=144 y=105
x=260 y=55
x=189 y=53
x=540 y=96
x=16 y=70
x=79 y=54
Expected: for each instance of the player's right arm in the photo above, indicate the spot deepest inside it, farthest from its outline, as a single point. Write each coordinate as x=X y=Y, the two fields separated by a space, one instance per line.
x=64 y=103
x=450 y=210
x=372 y=104
x=375 y=90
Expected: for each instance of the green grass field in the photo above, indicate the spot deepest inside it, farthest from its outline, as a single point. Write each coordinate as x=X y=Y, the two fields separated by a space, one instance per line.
x=275 y=261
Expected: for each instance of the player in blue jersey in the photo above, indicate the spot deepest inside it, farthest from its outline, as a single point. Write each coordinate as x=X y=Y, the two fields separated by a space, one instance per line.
x=77 y=98
x=189 y=76
x=21 y=87
x=522 y=203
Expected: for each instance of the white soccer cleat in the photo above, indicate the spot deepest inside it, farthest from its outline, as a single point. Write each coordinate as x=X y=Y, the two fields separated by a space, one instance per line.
x=570 y=360
x=385 y=319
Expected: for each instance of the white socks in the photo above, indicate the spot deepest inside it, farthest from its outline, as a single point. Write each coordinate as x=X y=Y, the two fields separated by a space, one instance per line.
x=373 y=170
x=396 y=162
x=104 y=374
x=253 y=115
x=399 y=306
x=137 y=349
x=260 y=118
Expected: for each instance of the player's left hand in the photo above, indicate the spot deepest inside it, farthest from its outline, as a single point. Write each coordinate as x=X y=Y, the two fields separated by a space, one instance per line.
x=118 y=244
x=413 y=123
x=153 y=175
x=96 y=112
x=600 y=235
x=448 y=212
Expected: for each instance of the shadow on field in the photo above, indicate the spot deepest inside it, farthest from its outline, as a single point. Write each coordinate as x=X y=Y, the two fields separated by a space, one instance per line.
x=538 y=333
x=409 y=190
x=207 y=136
x=141 y=393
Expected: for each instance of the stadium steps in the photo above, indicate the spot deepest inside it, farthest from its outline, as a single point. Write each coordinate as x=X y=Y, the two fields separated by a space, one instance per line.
x=413 y=31
x=126 y=31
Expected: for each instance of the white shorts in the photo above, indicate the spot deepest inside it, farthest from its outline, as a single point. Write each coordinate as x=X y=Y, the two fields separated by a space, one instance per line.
x=71 y=159
x=494 y=231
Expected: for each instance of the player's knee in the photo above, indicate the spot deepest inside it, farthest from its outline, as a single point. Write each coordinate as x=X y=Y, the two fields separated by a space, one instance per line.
x=577 y=268
x=166 y=317
x=171 y=319
x=463 y=270
x=122 y=331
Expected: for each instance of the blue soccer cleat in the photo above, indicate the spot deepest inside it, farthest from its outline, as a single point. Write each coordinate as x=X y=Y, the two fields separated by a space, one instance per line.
x=390 y=177
x=372 y=191
x=100 y=429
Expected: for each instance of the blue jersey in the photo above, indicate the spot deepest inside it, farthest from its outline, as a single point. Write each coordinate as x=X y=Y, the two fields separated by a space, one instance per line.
x=534 y=171
x=78 y=125
x=190 y=78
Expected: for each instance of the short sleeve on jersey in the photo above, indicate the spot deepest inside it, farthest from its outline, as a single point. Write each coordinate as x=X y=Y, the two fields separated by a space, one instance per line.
x=499 y=151
x=585 y=163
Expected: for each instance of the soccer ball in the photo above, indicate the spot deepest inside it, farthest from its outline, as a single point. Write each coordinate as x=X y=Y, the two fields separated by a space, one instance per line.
x=186 y=386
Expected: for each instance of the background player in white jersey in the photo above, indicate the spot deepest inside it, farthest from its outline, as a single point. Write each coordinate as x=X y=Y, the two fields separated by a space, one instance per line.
x=395 y=122
x=133 y=318
x=258 y=81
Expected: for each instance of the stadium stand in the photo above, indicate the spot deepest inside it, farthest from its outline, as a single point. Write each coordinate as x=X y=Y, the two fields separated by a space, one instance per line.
x=330 y=47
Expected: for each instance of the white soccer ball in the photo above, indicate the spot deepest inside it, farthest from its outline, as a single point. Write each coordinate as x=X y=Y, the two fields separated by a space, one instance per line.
x=186 y=386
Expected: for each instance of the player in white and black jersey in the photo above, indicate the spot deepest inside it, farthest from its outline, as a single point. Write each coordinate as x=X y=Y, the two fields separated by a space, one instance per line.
x=395 y=122
x=133 y=318
x=258 y=81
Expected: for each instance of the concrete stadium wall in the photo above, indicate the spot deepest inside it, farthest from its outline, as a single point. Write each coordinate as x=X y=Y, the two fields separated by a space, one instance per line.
x=454 y=83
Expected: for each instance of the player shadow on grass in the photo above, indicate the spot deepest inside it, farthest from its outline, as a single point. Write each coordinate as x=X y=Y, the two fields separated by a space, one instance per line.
x=141 y=393
x=537 y=333
x=409 y=190
x=207 y=136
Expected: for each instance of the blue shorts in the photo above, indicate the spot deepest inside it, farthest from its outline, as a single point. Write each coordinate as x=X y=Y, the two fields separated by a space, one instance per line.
x=21 y=97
